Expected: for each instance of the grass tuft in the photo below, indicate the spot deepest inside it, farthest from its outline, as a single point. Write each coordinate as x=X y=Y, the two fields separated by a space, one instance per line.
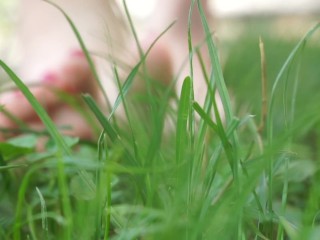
x=202 y=177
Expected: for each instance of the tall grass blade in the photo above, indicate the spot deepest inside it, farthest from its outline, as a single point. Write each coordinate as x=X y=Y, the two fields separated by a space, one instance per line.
x=84 y=49
x=183 y=113
x=125 y=88
x=54 y=133
x=110 y=131
x=190 y=45
x=285 y=66
x=101 y=118
x=130 y=79
x=221 y=133
x=134 y=32
x=283 y=69
x=4 y=168
x=44 y=220
x=216 y=66
x=63 y=148
x=217 y=76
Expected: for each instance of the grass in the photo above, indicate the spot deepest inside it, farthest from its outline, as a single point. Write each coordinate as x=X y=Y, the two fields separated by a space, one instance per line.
x=200 y=179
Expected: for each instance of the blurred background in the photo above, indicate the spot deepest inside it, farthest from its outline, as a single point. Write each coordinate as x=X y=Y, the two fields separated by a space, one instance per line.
x=238 y=26
x=288 y=18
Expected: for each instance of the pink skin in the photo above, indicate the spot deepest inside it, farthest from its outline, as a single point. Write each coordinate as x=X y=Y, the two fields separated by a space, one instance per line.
x=74 y=77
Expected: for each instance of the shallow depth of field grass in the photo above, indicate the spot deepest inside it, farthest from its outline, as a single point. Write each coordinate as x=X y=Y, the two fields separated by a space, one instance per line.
x=203 y=177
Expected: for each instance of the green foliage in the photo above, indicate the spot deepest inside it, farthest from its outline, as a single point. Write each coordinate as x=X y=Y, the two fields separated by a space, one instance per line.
x=202 y=177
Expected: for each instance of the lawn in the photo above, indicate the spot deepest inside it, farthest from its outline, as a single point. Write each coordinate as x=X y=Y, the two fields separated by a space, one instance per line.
x=183 y=170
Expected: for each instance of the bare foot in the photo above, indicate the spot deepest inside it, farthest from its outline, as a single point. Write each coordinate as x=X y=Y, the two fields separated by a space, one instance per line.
x=73 y=77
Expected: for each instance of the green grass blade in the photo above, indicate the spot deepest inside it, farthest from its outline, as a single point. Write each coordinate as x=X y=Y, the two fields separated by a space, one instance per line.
x=47 y=122
x=101 y=118
x=217 y=76
x=4 y=168
x=31 y=225
x=221 y=133
x=43 y=212
x=134 y=142
x=110 y=131
x=125 y=88
x=62 y=146
x=291 y=229
x=182 y=121
x=134 y=32
x=285 y=66
x=216 y=66
x=205 y=117
x=84 y=49
x=190 y=45
x=129 y=80
x=20 y=202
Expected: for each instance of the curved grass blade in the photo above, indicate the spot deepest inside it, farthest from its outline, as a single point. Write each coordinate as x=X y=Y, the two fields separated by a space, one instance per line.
x=62 y=147
x=182 y=121
x=84 y=49
x=125 y=88
x=44 y=219
x=216 y=66
x=129 y=81
x=101 y=118
x=190 y=47
x=134 y=32
x=286 y=64
x=220 y=131
x=4 y=168
x=110 y=131
x=218 y=79
x=54 y=133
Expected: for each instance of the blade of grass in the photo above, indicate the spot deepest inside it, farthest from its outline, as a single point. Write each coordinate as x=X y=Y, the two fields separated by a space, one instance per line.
x=54 y=133
x=134 y=142
x=102 y=158
x=192 y=167
x=216 y=66
x=44 y=220
x=140 y=50
x=217 y=76
x=221 y=133
x=190 y=45
x=135 y=35
x=129 y=80
x=4 y=168
x=284 y=197
x=291 y=230
x=264 y=103
x=62 y=146
x=191 y=111
x=106 y=204
x=286 y=64
x=182 y=121
x=113 y=135
x=184 y=167
x=84 y=49
x=284 y=67
x=115 y=138
x=30 y=220
x=20 y=202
